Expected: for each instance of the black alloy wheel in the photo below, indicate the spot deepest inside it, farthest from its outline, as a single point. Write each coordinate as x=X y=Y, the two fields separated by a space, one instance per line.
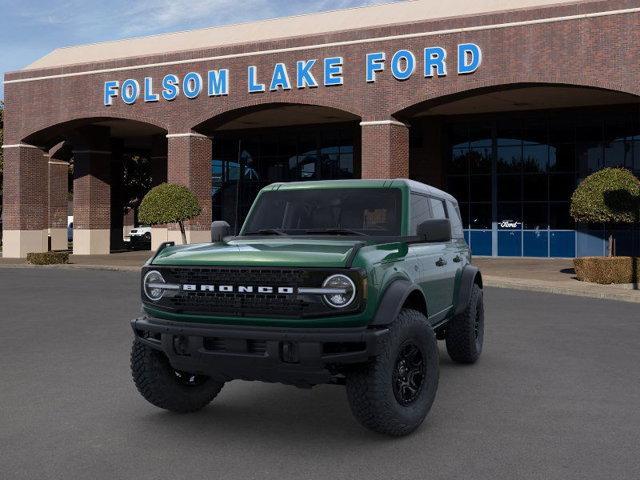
x=408 y=374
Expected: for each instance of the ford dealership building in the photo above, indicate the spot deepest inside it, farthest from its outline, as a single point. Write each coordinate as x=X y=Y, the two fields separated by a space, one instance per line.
x=506 y=104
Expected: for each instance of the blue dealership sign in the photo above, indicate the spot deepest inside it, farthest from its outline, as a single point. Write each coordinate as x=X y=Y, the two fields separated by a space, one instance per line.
x=308 y=73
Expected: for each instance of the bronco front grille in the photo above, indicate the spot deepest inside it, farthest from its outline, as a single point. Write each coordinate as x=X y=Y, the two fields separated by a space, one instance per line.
x=255 y=304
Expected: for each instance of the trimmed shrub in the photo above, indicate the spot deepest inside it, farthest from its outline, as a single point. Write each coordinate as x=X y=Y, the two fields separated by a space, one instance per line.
x=607 y=270
x=611 y=195
x=169 y=203
x=48 y=258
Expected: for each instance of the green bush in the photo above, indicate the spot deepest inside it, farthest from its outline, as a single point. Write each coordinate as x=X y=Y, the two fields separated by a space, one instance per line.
x=169 y=203
x=607 y=270
x=611 y=195
x=48 y=258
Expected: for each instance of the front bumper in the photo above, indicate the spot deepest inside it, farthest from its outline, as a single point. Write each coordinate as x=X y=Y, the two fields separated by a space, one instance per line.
x=298 y=356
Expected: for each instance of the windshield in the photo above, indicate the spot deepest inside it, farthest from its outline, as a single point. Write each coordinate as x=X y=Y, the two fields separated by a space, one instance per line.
x=339 y=211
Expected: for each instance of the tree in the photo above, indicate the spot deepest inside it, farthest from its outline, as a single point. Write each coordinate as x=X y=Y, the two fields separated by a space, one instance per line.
x=611 y=195
x=169 y=203
x=136 y=181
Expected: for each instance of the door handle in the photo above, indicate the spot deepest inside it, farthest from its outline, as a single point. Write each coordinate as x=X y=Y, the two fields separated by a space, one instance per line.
x=441 y=262
x=457 y=259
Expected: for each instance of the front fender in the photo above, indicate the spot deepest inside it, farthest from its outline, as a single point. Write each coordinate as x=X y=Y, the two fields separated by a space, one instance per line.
x=392 y=301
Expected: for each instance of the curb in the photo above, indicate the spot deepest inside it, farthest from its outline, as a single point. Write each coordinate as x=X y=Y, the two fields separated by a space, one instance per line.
x=603 y=292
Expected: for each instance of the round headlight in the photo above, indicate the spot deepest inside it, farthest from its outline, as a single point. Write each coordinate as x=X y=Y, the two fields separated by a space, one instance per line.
x=152 y=285
x=345 y=291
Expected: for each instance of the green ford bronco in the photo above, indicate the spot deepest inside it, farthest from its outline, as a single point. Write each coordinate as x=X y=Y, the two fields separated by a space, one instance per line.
x=348 y=282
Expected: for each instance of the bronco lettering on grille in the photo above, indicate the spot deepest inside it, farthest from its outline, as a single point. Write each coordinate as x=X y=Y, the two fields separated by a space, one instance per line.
x=237 y=289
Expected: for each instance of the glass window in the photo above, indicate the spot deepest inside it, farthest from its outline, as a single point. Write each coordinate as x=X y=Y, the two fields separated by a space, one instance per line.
x=562 y=157
x=480 y=160
x=437 y=208
x=559 y=217
x=459 y=161
x=464 y=214
x=459 y=135
x=535 y=216
x=618 y=154
x=509 y=133
x=369 y=211
x=589 y=130
x=308 y=144
x=481 y=188
x=509 y=159
x=561 y=186
x=589 y=157
x=456 y=222
x=346 y=166
x=419 y=211
x=458 y=186
x=535 y=132
x=636 y=156
x=509 y=215
x=535 y=158
x=561 y=130
x=480 y=135
x=277 y=155
x=619 y=127
x=509 y=187
x=480 y=215
x=535 y=188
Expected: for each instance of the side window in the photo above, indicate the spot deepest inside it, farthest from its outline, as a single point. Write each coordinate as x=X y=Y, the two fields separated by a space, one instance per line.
x=419 y=211
x=437 y=206
x=456 y=222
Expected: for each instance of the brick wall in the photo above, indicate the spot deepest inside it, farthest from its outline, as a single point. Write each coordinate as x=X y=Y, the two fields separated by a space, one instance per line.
x=599 y=51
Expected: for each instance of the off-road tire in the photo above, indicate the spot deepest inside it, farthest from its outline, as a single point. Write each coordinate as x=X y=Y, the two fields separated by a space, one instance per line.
x=158 y=383
x=465 y=332
x=370 y=388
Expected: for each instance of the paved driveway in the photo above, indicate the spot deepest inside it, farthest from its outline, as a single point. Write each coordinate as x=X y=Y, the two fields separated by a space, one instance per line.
x=555 y=395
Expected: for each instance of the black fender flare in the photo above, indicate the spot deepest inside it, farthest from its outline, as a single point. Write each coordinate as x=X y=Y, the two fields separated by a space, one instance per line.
x=470 y=275
x=392 y=301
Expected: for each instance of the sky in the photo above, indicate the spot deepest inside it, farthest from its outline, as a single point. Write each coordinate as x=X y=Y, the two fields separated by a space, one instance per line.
x=29 y=29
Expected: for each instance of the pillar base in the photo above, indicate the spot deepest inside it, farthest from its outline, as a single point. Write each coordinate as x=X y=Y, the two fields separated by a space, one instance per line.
x=58 y=239
x=193 y=236
x=91 y=242
x=159 y=235
x=17 y=243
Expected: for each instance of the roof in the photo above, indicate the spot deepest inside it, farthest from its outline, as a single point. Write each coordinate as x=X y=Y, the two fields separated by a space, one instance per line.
x=279 y=28
x=363 y=183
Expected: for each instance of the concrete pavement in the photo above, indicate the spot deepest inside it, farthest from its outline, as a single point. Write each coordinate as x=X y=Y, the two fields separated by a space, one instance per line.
x=554 y=395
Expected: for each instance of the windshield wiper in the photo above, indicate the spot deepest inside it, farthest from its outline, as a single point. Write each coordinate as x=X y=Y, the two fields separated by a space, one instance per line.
x=336 y=231
x=267 y=231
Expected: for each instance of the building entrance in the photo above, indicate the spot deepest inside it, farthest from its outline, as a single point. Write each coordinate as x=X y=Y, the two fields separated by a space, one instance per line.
x=244 y=161
x=514 y=173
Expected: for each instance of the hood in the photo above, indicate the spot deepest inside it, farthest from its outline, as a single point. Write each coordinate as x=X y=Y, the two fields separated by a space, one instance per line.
x=274 y=252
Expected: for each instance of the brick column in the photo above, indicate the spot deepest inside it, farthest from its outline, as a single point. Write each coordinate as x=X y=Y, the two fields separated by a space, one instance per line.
x=159 y=233
x=385 y=149
x=58 y=191
x=189 y=164
x=92 y=192
x=25 y=211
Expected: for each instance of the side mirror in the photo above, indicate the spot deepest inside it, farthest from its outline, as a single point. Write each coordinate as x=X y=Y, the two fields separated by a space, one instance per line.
x=435 y=230
x=219 y=230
